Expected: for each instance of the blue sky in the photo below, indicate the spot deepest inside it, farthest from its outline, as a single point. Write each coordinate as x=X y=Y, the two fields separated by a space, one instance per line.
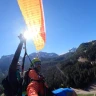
x=68 y=24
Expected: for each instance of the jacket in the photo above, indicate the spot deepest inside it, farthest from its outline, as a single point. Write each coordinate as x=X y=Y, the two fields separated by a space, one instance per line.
x=37 y=86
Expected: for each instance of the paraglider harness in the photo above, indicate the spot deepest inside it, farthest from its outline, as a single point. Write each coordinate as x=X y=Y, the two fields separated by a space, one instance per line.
x=27 y=79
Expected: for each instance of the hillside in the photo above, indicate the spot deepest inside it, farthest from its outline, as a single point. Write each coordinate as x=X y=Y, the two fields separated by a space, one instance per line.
x=76 y=69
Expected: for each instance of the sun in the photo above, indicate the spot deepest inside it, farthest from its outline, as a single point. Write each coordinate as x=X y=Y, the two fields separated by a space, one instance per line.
x=28 y=35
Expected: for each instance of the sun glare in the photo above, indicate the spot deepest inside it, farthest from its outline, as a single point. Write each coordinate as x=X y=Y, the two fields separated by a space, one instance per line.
x=30 y=35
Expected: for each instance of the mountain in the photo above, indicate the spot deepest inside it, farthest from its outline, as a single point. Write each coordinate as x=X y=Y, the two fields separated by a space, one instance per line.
x=5 y=61
x=87 y=50
x=80 y=68
x=77 y=68
x=43 y=55
x=73 y=50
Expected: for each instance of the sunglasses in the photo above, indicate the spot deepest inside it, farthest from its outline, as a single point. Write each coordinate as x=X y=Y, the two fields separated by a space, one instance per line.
x=38 y=63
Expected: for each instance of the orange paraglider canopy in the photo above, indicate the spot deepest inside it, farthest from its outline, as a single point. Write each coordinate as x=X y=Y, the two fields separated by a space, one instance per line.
x=32 y=11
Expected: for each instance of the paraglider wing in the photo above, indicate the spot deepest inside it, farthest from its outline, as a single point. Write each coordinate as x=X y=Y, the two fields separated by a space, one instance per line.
x=32 y=12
